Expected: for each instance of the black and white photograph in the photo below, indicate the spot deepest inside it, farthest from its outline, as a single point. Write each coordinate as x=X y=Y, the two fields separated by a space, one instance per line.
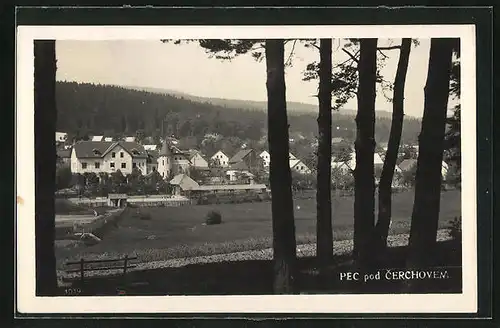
x=228 y=168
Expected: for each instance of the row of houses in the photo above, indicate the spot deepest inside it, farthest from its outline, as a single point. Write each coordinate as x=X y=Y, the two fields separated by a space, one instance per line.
x=111 y=156
x=378 y=162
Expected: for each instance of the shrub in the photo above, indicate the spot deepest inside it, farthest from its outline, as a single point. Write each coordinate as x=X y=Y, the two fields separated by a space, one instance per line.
x=213 y=217
x=455 y=230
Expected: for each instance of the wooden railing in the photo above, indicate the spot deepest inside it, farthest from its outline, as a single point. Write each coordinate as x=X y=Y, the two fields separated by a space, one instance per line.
x=83 y=268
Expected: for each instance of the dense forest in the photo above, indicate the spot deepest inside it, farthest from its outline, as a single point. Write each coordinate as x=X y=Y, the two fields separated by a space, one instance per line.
x=86 y=109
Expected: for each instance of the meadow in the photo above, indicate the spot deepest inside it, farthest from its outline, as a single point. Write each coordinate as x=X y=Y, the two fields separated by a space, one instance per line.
x=175 y=232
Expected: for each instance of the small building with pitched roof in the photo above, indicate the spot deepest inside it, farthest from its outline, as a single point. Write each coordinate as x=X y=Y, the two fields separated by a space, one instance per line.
x=220 y=159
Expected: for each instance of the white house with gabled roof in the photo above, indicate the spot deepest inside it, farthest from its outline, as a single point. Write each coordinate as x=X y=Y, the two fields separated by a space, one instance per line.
x=298 y=166
x=221 y=158
x=108 y=157
x=266 y=157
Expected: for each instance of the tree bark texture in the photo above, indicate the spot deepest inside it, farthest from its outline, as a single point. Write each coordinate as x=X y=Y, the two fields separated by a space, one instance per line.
x=425 y=215
x=284 y=244
x=391 y=155
x=45 y=165
x=364 y=181
x=324 y=233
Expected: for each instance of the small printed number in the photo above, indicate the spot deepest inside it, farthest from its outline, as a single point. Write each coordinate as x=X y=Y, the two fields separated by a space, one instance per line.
x=72 y=291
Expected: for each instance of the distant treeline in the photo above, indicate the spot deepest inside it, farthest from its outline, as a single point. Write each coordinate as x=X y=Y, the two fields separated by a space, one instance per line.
x=86 y=109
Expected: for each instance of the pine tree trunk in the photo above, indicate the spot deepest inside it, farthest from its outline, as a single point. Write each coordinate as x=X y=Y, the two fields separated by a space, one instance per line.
x=425 y=215
x=391 y=155
x=45 y=166
x=284 y=245
x=324 y=246
x=364 y=181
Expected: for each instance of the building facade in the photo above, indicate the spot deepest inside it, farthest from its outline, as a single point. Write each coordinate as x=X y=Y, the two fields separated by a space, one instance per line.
x=107 y=157
x=171 y=161
x=220 y=159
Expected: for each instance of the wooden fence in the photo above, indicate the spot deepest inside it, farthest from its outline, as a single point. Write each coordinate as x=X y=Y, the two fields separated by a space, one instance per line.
x=83 y=268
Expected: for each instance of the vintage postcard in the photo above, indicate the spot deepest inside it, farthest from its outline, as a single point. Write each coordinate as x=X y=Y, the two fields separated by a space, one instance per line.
x=246 y=169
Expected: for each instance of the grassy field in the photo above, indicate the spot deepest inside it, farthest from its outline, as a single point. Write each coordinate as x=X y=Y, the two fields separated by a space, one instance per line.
x=175 y=232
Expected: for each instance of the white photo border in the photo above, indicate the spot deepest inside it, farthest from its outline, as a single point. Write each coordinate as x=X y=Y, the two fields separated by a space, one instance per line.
x=28 y=302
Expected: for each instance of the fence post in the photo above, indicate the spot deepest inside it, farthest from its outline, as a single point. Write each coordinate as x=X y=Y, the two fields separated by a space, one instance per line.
x=125 y=265
x=82 y=271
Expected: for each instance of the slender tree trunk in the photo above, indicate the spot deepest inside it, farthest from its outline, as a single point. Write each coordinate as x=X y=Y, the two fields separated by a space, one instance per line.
x=324 y=245
x=425 y=215
x=45 y=166
x=364 y=181
x=284 y=244
x=391 y=155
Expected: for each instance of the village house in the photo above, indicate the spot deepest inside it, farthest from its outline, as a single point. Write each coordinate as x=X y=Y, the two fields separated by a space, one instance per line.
x=239 y=175
x=63 y=157
x=172 y=161
x=246 y=159
x=61 y=137
x=407 y=164
x=182 y=184
x=377 y=161
x=101 y=138
x=342 y=166
x=97 y=138
x=108 y=157
x=151 y=162
x=266 y=158
x=220 y=159
x=150 y=147
x=298 y=166
x=197 y=160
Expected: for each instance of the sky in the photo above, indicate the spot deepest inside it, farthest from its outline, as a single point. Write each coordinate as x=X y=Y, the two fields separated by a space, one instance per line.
x=187 y=68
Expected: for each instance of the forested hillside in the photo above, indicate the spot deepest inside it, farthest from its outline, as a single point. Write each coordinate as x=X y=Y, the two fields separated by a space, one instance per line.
x=86 y=109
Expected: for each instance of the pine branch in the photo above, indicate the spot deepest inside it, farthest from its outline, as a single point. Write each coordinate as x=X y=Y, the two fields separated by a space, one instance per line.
x=350 y=55
x=380 y=51
x=389 y=48
x=288 y=61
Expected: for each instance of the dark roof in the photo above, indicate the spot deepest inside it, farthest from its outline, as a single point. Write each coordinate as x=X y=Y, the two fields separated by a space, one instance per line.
x=152 y=156
x=241 y=165
x=407 y=164
x=97 y=149
x=165 y=149
x=184 y=181
x=238 y=157
x=64 y=153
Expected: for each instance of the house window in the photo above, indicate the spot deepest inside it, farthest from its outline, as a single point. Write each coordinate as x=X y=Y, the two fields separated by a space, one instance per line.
x=97 y=165
x=163 y=162
x=112 y=165
x=124 y=165
x=113 y=154
x=134 y=165
x=121 y=154
x=84 y=165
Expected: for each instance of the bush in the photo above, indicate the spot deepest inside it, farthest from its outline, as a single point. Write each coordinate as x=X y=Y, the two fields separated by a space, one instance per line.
x=213 y=217
x=455 y=230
